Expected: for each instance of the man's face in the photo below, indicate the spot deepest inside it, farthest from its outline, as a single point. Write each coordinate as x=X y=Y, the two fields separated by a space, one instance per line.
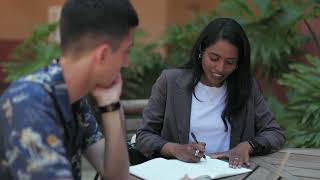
x=115 y=61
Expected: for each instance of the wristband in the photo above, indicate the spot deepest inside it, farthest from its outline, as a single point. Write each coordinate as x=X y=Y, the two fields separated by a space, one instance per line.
x=254 y=145
x=109 y=108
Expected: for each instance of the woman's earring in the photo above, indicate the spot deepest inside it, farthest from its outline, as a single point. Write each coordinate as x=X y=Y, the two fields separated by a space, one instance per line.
x=200 y=56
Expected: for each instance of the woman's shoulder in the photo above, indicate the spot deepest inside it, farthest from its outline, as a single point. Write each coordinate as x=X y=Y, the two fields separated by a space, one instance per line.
x=175 y=73
x=255 y=86
x=255 y=89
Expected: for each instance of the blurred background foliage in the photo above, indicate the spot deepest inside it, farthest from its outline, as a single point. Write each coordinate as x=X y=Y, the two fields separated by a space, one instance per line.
x=32 y=54
x=272 y=28
x=145 y=66
x=301 y=114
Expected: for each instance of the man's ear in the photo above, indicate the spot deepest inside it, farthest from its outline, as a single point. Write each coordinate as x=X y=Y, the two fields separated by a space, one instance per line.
x=102 y=53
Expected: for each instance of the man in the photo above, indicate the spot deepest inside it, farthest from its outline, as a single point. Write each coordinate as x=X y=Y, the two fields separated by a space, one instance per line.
x=46 y=124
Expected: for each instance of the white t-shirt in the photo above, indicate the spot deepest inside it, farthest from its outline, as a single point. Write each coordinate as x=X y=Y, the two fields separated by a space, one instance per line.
x=205 y=119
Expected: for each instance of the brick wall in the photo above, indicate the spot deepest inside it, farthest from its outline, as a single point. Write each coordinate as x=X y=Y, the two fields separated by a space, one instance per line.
x=6 y=47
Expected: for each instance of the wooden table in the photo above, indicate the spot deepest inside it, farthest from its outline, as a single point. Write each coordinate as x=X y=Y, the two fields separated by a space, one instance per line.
x=291 y=164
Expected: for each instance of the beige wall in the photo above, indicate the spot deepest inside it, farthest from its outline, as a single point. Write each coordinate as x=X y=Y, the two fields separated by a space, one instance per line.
x=153 y=16
x=19 y=17
x=157 y=15
x=180 y=11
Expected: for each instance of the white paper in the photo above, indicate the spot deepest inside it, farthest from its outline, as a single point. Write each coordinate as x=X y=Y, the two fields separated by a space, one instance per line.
x=160 y=169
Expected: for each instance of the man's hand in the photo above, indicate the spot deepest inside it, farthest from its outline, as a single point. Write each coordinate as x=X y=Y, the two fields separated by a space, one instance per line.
x=107 y=95
x=238 y=156
x=184 y=152
x=112 y=155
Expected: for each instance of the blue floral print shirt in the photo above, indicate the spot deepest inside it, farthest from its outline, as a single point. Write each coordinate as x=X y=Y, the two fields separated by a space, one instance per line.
x=42 y=136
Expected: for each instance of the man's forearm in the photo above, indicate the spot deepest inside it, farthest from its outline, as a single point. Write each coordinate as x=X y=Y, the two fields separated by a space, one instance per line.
x=116 y=160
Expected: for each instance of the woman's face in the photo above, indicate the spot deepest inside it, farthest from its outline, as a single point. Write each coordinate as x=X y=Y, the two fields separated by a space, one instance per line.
x=219 y=60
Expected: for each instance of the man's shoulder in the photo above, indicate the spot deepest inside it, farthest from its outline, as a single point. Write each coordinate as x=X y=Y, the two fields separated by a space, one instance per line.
x=24 y=92
x=25 y=105
x=35 y=85
x=181 y=77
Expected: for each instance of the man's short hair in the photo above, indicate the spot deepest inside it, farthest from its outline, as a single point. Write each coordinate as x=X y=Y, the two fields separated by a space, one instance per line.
x=86 y=23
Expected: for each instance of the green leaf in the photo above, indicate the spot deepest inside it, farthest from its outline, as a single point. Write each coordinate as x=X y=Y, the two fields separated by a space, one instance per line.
x=263 y=6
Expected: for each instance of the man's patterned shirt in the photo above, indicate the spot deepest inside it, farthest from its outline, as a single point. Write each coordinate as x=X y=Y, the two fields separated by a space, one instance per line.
x=42 y=136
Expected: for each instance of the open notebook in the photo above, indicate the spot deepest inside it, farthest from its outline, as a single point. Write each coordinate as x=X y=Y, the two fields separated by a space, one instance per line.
x=173 y=169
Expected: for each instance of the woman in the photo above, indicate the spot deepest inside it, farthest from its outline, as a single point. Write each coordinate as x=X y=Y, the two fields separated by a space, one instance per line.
x=214 y=97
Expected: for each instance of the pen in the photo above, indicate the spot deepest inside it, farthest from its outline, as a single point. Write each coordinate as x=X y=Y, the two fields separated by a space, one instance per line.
x=195 y=139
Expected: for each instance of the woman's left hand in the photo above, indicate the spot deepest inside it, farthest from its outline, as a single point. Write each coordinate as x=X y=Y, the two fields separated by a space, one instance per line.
x=238 y=156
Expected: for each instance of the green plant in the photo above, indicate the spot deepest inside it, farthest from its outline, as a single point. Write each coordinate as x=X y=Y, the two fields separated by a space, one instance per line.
x=303 y=108
x=270 y=25
x=37 y=51
x=145 y=66
x=34 y=53
x=179 y=40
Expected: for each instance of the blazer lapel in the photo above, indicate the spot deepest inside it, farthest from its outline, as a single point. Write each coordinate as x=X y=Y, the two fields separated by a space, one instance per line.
x=182 y=106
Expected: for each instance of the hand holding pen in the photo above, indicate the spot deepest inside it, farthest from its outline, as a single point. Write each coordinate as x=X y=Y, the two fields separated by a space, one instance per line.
x=191 y=153
x=195 y=139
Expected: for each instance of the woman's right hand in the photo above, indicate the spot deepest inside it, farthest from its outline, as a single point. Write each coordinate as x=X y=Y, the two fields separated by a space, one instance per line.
x=184 y=152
